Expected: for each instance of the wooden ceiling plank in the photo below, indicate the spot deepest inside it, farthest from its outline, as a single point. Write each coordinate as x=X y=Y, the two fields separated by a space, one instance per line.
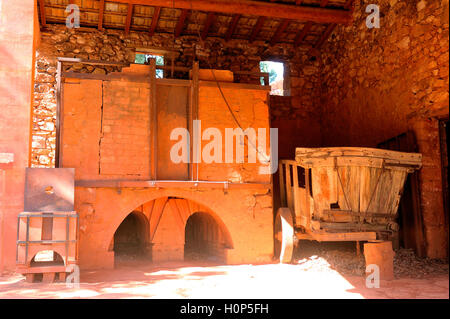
x=232 y=27
x=42 y=11
x=281 y=28
x=298 y=2
x=181 y=21
x=128 y=20
x=303 y=33
x=323 y=3
x=257 y=28
x=100 y=14
x=256 y=8
x=209 y=22
x=155 y=19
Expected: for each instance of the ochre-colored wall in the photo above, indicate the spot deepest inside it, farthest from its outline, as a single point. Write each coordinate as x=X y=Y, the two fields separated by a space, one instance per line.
x=250 y=106
x=245 y=214
x=17 y=43
x=100 y=122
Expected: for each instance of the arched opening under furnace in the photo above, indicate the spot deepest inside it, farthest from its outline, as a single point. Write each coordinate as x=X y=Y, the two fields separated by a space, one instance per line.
x=131 y=239
x=204 y=239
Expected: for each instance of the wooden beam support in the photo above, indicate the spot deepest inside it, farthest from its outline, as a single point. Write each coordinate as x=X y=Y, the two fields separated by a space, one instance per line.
x=298 y=2
x=129 y=16
x=100 y=14
x=323 y=3
x=42 y=11
x=180 y=24
x=155 y=19
x=209 y=22
x=325 y=35
x=302 y=34
x=257 y=28
x=232 y=27
x=349 y=4
x=256 y=8
x=281 y=28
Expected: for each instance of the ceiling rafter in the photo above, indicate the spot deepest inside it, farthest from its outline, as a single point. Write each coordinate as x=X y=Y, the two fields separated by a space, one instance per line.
x=129 y=16
x=325 y=35
x=349 y=4
x=211 y=17
x=256 y=8
x=100 y=14
x=331 y=26
x=155 y=19
x=232 y=27
x=257 y=28
x=281 y=28
x=181 y=22
x=303 y=33
x=42 y=10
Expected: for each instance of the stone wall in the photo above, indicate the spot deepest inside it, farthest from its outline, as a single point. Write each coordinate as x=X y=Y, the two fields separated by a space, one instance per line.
x=114 y=45
x=373 y=80
x=378 y=83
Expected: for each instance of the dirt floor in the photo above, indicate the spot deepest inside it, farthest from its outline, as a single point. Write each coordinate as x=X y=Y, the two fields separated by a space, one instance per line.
x=318 y=271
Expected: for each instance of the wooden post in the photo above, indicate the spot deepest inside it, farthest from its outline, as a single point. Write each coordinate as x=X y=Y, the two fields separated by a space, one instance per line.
x=297 y=205
x=307 y=192
x=358 y=249
x=153 y=121
x=59 y=116
x=194 y=114
x=282 y=185
x=288 y=185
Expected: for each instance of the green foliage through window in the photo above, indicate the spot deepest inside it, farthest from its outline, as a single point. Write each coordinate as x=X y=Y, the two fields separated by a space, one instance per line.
x=276 y=75
x=142 y=58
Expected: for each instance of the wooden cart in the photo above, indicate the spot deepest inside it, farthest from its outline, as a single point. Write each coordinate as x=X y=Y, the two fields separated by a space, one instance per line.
x=340 y=194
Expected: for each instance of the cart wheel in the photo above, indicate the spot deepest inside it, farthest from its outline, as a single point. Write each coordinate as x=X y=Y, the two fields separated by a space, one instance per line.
x=284 y=235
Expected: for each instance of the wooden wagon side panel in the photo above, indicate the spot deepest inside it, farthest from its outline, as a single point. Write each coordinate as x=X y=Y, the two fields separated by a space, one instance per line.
x=359 y=189
x=386 y=194
x=324 y=188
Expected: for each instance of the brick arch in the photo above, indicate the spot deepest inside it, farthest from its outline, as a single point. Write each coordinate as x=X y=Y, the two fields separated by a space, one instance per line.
x=154 y=209
x=144 y=222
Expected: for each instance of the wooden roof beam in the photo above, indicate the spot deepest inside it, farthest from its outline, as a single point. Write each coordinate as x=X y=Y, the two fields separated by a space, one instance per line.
x=257 y=28
x=155 y=19
x=323 y=3
x=325 y=35
x=232 y=27
x=209 y=22
x=42 y=11
x=281 y=28
x=303 y=33
x=256 y=8
x=181 y=21
x=100 y=14
x=330 y=27
x=129 y=16
x=349 y=4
